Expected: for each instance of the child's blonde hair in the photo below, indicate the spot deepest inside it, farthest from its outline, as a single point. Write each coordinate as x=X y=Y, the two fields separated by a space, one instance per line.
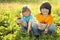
x=25 y=8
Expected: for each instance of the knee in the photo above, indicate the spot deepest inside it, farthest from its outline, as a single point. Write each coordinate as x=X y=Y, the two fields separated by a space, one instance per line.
x=52 y=27
x=34 y=25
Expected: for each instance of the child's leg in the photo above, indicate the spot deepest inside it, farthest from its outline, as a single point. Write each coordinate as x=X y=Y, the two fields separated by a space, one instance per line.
x=35 y=28
x=52 y=28
x=23 y=27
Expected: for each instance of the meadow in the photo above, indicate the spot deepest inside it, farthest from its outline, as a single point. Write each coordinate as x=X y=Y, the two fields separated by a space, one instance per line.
x=9 y=11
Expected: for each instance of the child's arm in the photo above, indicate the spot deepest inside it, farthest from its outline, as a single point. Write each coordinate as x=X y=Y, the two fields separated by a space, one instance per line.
x=29 y=25
x=46 y=29
x=42 y=26
x=24 y=24
x=19 y=21
x=48 y=24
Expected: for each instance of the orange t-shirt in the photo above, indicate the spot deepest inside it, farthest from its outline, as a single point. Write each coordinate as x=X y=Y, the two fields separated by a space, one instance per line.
x=41 y=18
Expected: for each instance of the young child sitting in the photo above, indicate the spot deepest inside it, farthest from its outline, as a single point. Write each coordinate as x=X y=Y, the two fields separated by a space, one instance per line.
x=26 y=20
x=45 y=20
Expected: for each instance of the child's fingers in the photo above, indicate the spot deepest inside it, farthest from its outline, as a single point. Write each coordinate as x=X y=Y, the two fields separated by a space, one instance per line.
x=24 y=24
x=46 y=30
x=18 y=21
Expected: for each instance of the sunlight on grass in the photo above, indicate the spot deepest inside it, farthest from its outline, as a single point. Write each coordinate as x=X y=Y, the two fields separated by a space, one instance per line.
x=9 y=13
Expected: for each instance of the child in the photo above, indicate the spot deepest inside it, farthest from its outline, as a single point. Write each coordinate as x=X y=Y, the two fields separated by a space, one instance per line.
x=44 y=19
x=27 y=19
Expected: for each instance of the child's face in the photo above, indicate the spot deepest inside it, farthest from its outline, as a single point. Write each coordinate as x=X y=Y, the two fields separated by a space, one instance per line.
x=27 y=13
x=44 y=11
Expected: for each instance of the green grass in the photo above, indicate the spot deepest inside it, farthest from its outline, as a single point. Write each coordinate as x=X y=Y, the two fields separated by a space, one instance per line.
x=9 y=13
x=24 y=36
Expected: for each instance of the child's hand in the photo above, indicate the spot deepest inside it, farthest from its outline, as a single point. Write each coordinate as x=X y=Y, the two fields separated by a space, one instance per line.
x=24 y=24
x=46 y=30
x=40 y=25
x=18 y=21
x=29 y=29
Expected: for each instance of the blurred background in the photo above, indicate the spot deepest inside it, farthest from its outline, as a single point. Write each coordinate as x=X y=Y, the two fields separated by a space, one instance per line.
x=11 y=9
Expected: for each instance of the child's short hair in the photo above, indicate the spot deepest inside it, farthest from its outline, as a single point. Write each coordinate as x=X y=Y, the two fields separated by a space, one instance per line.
x=47 y=6
x=25 y=8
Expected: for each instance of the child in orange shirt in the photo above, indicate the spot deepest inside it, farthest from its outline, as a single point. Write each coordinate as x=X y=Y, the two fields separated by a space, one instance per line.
x=45 y=20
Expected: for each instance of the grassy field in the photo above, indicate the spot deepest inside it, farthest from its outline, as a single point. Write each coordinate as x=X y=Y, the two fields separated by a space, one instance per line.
x=9 y=30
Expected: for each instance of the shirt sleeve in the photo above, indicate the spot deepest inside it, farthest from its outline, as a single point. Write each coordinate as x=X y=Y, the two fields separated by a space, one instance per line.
x=50 y=21
x=39 y=18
